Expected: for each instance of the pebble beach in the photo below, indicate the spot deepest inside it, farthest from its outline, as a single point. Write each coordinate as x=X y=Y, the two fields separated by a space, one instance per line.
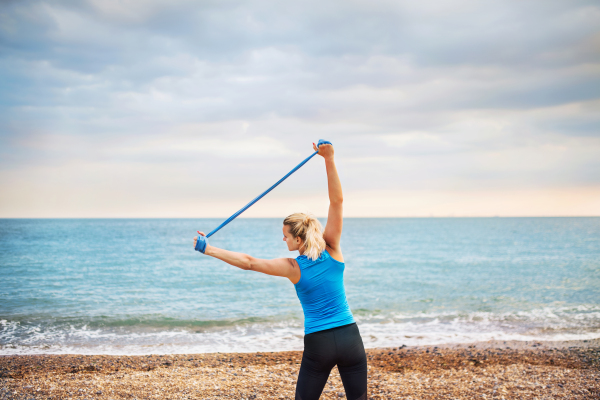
x=487 y=370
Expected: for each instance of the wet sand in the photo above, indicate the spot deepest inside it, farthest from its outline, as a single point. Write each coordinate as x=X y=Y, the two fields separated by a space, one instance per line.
x=487 y=370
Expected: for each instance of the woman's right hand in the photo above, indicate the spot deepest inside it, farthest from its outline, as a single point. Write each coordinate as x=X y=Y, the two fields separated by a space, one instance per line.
x=325 y=150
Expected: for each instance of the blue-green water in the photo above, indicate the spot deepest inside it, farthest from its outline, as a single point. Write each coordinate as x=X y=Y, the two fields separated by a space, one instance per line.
x=120 y=286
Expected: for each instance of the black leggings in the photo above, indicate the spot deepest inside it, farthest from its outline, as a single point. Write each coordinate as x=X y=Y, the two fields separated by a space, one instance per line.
x=341 y=346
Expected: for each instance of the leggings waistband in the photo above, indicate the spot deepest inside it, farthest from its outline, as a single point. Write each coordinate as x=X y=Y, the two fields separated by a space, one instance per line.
x=332 y=329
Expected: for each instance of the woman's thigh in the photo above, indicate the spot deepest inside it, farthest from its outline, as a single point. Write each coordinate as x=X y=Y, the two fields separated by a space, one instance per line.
x=318 y=359
x=322 y=351
x=352 y=362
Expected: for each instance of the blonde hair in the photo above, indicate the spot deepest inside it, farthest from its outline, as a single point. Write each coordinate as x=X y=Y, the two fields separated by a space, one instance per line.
x=310 y=230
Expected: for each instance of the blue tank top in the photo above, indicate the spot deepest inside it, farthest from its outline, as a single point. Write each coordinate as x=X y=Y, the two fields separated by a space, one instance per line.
x=322 y=294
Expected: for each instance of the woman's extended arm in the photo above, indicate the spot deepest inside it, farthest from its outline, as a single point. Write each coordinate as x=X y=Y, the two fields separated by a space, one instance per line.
x=335 y=217
x=285 y=267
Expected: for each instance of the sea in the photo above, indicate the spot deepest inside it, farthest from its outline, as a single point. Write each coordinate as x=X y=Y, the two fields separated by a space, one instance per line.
x=136 y=286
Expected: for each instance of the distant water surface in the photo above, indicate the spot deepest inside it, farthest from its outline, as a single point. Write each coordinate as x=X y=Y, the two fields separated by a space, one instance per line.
x=118 y=286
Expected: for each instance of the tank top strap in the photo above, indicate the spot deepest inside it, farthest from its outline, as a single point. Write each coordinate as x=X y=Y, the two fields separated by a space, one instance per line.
x=305 y=262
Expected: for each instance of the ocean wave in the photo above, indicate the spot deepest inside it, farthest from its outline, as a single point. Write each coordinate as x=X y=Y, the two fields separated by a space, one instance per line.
x=160 y=335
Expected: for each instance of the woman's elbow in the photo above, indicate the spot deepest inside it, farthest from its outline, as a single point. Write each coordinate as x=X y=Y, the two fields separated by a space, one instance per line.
x=249 y=264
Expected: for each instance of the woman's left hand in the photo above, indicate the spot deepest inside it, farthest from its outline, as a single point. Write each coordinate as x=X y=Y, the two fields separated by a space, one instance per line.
x=196 y=237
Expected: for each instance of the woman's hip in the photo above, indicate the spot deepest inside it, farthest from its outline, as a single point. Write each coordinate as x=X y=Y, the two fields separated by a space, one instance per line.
x=335 y=342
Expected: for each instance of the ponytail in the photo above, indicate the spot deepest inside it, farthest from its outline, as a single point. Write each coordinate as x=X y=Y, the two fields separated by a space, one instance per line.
x=310 y=230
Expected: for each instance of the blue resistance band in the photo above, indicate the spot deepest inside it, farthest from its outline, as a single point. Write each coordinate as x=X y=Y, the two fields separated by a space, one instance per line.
x=201 y=242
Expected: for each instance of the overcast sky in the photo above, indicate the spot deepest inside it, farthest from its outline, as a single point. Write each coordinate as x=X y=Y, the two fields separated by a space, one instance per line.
x=143 y=108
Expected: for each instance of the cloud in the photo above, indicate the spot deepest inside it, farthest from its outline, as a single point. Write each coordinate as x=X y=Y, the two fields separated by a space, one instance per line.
x=421 y=96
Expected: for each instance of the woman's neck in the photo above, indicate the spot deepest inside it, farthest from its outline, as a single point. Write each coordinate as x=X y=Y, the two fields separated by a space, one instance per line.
x=301 y=249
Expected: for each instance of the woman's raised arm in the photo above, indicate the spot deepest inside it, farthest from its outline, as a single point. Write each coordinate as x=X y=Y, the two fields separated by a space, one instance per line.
x=335 y=217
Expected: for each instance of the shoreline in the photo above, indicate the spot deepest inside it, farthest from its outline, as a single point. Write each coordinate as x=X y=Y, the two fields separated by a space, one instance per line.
x=493 y=369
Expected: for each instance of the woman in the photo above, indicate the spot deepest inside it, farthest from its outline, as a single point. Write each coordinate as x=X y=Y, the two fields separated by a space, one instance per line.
x=331 y=335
